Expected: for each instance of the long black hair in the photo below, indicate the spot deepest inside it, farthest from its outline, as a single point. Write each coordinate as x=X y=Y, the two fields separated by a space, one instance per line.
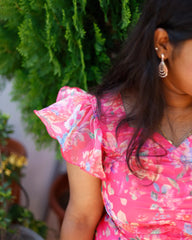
x=136 y=67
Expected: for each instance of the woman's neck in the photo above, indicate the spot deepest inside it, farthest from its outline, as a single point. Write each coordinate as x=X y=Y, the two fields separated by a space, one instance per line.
x=176 y=100
x=176 y=122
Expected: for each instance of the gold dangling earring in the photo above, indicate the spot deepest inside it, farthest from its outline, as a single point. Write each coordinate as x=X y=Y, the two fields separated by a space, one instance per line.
x=163 y=71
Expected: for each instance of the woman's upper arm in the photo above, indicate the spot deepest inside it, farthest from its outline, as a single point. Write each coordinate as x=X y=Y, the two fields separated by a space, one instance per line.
x=85 y=194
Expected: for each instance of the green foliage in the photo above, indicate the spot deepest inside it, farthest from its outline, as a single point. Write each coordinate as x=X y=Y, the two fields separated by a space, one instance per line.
x=5 y=128
x=11 y=165
x=17 y=214
x=46 y=44
x=25 y=217
x=5 y=198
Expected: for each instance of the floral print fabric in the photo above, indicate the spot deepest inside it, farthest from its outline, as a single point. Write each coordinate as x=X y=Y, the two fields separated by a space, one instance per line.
x=158 y=204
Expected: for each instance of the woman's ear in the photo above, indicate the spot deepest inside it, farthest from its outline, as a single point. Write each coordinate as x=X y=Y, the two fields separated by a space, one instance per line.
x=161 y=43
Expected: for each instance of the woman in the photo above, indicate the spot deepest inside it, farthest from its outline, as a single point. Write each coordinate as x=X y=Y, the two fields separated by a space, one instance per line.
x=129 y=147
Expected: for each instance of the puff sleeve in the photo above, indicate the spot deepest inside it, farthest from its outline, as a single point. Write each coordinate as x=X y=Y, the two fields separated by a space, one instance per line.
x=72 y=120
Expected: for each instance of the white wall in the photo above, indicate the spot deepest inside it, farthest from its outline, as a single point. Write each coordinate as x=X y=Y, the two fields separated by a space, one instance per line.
x=42 y=165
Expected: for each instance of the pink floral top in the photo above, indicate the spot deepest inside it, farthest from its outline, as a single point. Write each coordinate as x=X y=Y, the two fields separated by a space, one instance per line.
x=158 y=205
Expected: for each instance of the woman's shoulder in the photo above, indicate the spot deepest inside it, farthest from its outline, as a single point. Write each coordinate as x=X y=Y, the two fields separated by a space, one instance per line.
x=74 y=96
x=73 y=107
x=79 y=95
x=109 y=105
x=112 y=107
x=73 y=122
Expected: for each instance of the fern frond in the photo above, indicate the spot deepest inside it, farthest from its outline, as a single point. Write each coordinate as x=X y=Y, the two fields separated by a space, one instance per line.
x=126 y=14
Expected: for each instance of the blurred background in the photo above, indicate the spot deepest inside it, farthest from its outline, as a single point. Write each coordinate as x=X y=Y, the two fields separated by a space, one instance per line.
x=41 y=170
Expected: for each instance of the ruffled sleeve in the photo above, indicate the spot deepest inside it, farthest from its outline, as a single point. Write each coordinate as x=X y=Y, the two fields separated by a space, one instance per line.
x=72 y=120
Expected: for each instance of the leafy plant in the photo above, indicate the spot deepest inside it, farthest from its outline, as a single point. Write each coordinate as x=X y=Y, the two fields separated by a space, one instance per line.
x=5 y=186
x=23 y=216
x=11 y=165
x=5 y=198
x=46 y=44
x=5 y=128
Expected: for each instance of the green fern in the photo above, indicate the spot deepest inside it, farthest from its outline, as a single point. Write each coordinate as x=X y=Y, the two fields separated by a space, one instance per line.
x=126 y=14
x=45 y=44
x=105 y=7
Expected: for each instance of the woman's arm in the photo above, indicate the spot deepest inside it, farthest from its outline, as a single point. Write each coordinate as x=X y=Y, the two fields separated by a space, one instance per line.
x=85 y=206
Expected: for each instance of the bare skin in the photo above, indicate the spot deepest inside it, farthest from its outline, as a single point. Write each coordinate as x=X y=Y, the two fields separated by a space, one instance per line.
x=177 y=120
x=85 y=206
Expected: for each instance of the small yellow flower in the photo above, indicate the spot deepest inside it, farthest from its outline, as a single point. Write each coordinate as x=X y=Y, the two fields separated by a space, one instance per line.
x=8 y=172
x=16 y=160
x=12 y=159
x=21 y=161
x=12 y=164
x=4 y=164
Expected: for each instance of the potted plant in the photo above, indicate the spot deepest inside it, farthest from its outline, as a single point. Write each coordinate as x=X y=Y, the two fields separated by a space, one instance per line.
x=13 y=157
x=16 y=222
x=24 y=225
